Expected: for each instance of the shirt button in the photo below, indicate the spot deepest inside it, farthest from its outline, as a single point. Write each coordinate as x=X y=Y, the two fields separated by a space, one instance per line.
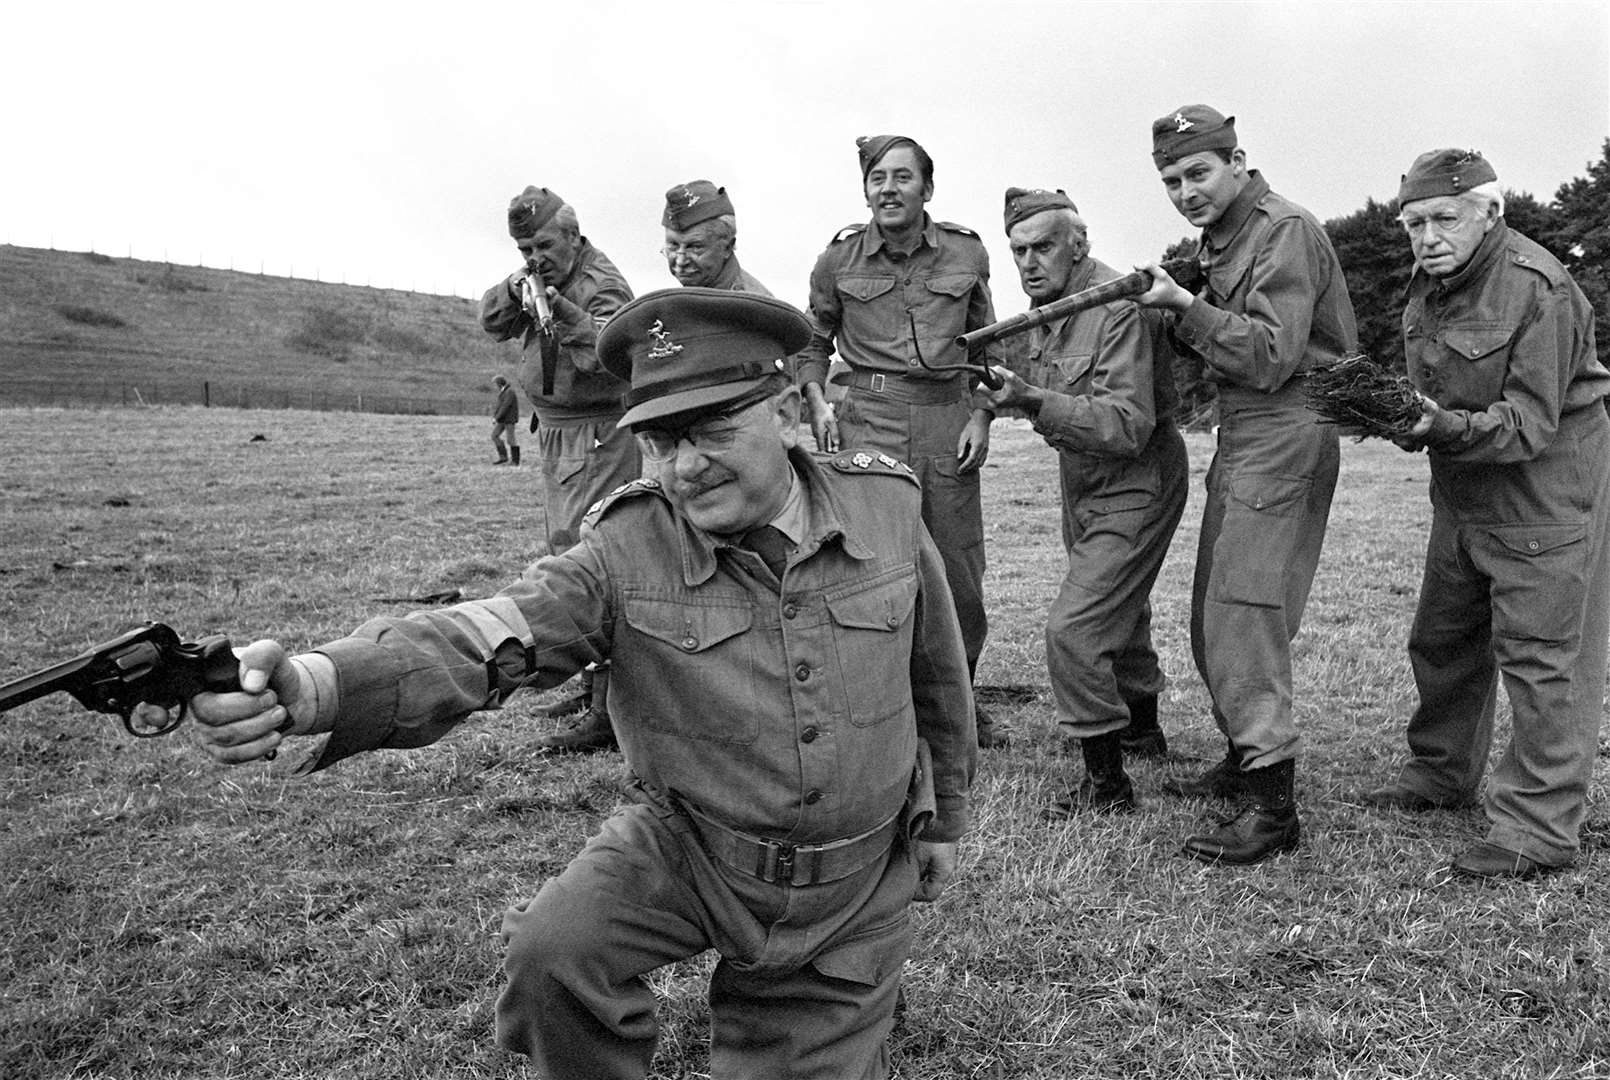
x=690 y=643
x=808 y=735
x=812 y=797
x=802 y=672
x=1531 y=545
x=789 y=611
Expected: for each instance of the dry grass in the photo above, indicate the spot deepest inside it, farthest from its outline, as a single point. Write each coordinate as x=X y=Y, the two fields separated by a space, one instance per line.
x=169 y=918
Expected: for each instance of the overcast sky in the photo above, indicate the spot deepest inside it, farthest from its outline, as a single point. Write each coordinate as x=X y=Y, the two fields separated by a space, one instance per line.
x=380 y=143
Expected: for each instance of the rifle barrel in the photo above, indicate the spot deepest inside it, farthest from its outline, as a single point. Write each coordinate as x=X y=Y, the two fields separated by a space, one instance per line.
x=1117 y=289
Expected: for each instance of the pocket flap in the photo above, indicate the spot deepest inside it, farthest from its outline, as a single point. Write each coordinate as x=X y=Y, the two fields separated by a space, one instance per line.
x=1473 y=344
x=1265 y=492
x=883 y=607
x=865 y=288
x=870 y=957
x=1536 y=539
x=691 y=629
x=951 y=284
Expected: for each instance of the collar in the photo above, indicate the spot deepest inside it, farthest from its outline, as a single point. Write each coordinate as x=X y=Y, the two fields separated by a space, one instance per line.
x=820 y=519
x=1486 y=252
x=1217 y=236
x=584 y=258
x=794 y=519
x=873 y=240
x=730 y=273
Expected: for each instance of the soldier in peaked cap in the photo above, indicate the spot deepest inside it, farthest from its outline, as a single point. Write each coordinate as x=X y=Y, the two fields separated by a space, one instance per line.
x=1500 y=342
x=701 y=239
x=884 y=293
x=791 y=697
x=1098 y=385
x=583 y=450
x=1274 y=305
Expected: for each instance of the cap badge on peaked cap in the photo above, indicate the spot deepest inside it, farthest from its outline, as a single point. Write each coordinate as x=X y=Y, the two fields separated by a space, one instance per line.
x=663 y=347
x=1181 y=123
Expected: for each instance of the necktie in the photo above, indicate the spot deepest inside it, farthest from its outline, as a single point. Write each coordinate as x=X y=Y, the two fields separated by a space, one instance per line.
x=771 y=545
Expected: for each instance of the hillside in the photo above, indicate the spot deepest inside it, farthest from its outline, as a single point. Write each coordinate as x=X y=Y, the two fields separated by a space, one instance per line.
x=85 y=328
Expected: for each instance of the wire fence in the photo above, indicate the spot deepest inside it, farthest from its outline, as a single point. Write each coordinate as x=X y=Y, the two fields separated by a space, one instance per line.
x=213 y=394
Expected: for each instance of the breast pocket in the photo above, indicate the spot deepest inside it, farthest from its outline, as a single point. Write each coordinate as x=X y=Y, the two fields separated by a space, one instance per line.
x=863 y=290
x=679 y=644
x=1226 y=281
x=872 y=629
x=1072 y=370
x=1475 y=364
x=941 y=312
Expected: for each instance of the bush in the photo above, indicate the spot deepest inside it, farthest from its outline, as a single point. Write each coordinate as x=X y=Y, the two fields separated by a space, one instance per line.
x=327 y=332
x=89 y=316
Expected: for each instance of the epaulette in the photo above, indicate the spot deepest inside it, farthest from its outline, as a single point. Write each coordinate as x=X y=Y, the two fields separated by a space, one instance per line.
x=1554 y=275
x=870 y=463
x=849 y=231
x=595 y=512
x=951 y=226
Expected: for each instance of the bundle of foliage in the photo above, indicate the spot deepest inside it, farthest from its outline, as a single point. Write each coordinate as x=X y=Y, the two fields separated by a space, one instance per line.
x=1363 y=398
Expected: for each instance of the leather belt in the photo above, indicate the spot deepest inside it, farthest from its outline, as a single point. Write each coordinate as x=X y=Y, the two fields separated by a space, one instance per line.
x=778 y=862
x=913 y=391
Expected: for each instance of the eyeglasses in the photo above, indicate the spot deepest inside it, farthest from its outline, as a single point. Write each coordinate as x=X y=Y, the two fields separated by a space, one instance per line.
x=1444 y=221
x=694 y=250
x=711 y=433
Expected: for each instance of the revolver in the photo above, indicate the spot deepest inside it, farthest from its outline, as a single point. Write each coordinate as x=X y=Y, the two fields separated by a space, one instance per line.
x=146 y=665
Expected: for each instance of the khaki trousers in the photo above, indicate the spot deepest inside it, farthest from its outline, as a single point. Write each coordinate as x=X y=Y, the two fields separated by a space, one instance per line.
x=1269 y=492
x=923 y=435
x=1098 y=633
x=805 y=987
x=1517 y=585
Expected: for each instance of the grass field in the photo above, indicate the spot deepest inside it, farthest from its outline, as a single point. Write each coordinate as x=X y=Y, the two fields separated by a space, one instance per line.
x=168 y=918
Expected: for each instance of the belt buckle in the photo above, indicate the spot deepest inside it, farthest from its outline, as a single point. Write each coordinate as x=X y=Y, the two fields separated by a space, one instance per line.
x=877 y=382
x=775 y=862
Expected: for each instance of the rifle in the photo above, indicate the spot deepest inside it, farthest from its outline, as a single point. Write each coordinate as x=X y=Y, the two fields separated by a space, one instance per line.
x=1188 y=272
x=146 y=665
x=534 y=302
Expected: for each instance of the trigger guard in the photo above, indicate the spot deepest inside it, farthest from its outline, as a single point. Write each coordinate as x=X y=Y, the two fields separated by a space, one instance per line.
x=173 y=721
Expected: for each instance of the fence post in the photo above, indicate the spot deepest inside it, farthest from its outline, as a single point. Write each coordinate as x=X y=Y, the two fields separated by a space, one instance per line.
x=206 y=394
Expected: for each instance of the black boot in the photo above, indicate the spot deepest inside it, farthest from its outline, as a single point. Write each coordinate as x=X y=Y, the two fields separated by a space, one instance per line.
x=1105 y=788
x=514 y=452
x=591 y=730
x=1143 y=737
x=502 y=457
x=1223 y=781
x=1266 y=825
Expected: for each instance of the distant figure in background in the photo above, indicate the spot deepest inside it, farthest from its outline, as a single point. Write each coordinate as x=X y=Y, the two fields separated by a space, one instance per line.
x=505 y=420
x=575 y=403
x=1098 y=386
x=1499 y=340
x=874 y=291
x=701 y=239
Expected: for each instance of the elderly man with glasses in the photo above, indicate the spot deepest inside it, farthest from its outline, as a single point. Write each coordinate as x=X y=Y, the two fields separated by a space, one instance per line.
x=701 y=239
x=791 y=696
